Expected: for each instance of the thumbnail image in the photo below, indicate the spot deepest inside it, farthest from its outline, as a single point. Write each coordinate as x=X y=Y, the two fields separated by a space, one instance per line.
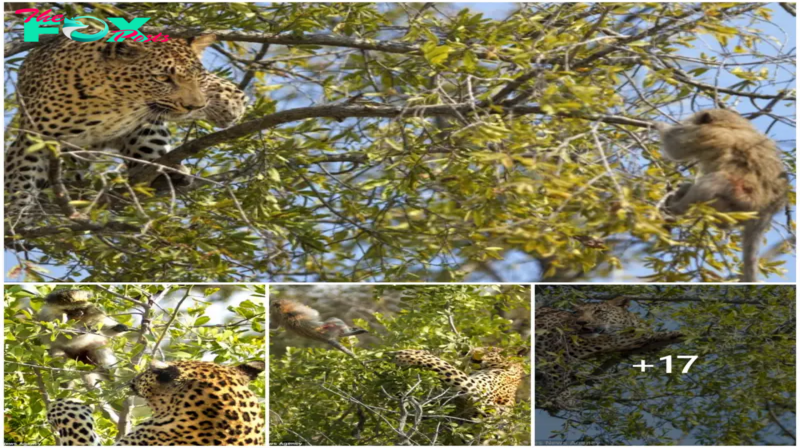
x=665 y=365
x=134 y=365
x=399 y=365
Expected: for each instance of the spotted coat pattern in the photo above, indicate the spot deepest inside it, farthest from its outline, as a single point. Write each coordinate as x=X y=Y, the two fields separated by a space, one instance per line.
x=565 y=339
x=193 y=403
x=108 y=96
x=493 y=385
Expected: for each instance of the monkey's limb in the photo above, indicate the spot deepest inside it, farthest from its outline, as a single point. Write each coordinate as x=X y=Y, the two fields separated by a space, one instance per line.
x=661 y=127
x=680 y=193
x=354 y=331
x=672 y=197
x=680 y=142
x=710 y=187
x=342 y=348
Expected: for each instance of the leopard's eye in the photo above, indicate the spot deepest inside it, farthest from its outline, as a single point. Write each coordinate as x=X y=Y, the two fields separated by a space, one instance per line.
x=162 y=78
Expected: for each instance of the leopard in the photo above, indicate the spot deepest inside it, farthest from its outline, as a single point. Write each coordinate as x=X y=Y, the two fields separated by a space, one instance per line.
x=490 y=389
x=109 y=97
x=564 y=340
x=193 y=403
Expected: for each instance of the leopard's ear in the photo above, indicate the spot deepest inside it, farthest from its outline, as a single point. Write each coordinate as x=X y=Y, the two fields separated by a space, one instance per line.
x=253 y=369
x=620 y=301
x=124 y=52
x=200 y=43
x=165 y=372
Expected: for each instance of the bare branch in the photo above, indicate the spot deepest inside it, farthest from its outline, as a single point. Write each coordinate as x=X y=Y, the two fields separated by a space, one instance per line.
x=786 y=431
x=171 y=319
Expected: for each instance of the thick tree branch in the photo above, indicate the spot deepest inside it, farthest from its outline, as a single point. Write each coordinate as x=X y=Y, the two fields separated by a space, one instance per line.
x=76 y=227
x=385 y=46
x=338 y=111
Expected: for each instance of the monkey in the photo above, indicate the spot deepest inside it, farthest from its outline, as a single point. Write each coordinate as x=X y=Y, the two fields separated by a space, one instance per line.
x=740 y=171
x=305 y=321
x=90 y=335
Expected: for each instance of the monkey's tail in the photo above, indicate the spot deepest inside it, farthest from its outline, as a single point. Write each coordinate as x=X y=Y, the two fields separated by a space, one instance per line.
x=754 y=229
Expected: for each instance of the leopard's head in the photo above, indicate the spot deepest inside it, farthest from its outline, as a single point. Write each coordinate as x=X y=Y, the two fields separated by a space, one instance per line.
x=167 y=77
x=605 y=317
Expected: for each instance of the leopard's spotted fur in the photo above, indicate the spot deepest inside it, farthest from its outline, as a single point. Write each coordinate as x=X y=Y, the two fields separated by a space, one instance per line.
x=564 y=339
x=98 y=96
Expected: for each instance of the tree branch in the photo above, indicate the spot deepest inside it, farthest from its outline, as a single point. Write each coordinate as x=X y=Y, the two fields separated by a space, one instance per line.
x=145 y=174
x=684 y=298
x=171 y=319
x=385 y=46
x=682 y=76
x=124 y=425
x=75 y=227
x=786 y=431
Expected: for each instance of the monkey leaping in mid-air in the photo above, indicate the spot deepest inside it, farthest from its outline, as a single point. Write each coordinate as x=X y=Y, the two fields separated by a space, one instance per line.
x=305 y=321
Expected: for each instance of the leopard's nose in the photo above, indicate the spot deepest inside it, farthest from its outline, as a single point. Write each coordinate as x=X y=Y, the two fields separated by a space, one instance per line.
x=192 y=107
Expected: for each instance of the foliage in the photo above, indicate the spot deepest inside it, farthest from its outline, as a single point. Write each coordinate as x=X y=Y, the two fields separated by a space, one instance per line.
x=740 y=391
x=322 y=397
x=443 y=144
x=32 y=378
